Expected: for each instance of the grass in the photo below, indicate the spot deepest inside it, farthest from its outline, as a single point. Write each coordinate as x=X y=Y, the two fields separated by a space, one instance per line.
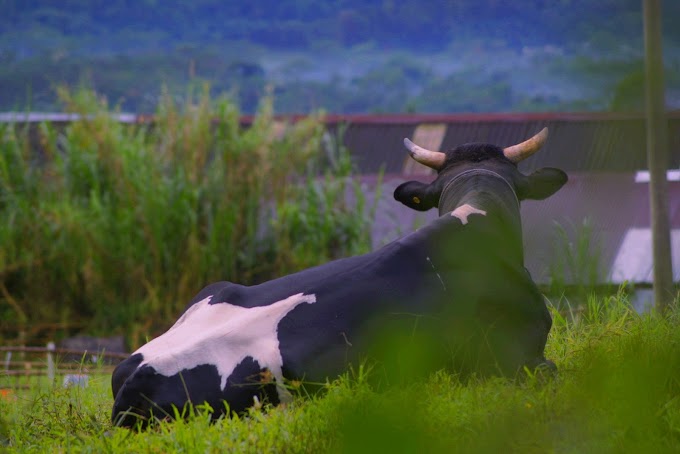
x=577 y=269
x=118 y=226
x=618 y=390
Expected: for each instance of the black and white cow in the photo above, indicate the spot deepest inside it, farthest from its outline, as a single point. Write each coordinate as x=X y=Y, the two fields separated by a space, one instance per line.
x=459 y=282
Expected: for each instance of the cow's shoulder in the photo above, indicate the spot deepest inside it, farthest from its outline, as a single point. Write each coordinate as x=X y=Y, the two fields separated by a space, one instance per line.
x=219 y=291
x=443 y=227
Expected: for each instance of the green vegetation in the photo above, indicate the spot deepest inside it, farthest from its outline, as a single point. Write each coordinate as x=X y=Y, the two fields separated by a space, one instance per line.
x=577 y=268
x=346 y=56
x=130 y=25
x=618 y=390
x=115 y=227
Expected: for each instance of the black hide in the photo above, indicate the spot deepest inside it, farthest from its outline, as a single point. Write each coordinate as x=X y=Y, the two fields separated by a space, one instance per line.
x=454 y=294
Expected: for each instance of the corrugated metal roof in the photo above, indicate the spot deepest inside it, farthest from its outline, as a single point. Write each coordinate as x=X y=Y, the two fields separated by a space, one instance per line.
x=55 y=117
x=594 y=144
x=577 y=141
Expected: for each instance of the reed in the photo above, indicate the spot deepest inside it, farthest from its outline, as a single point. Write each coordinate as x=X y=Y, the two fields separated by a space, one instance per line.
x=116 y=226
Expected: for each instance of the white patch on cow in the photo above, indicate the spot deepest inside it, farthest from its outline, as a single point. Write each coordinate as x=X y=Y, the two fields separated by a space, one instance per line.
x=223 y=335
x=463 y=211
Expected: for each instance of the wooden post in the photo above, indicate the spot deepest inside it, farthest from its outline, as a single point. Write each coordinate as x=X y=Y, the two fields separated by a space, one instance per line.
x=657 y=155
x=8 y=359
x=50 y=362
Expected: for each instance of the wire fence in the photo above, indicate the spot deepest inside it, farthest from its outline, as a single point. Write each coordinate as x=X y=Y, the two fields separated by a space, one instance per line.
x=31 y=367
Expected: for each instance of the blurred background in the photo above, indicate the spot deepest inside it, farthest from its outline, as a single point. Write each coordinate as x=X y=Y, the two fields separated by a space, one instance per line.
x=134 y=132
x=345 y=56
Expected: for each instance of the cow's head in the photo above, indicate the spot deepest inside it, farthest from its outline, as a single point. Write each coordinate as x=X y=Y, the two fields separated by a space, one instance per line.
x=477 y=159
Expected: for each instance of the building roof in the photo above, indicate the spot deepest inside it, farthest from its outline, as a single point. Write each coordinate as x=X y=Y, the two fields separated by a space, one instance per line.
x=577 y=142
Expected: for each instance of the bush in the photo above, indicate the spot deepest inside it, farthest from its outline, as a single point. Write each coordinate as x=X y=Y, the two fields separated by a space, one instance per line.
x=116 y=226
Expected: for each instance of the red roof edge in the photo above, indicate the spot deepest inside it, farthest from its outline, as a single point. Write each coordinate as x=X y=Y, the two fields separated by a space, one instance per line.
x=378 y=119
x=414 y=119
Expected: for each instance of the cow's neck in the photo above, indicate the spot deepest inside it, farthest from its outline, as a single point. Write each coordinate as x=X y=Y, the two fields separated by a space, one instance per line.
x=486 y=191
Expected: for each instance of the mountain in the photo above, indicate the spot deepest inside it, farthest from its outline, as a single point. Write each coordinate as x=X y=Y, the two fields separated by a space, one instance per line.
x=344 y=56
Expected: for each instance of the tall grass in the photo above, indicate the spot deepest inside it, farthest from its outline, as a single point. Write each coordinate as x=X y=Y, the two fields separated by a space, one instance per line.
x=617 y=390
x=577 y=272
x=117 y=226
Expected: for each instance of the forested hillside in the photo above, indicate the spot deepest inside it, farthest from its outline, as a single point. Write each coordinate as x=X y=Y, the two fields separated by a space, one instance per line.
x=344 y=56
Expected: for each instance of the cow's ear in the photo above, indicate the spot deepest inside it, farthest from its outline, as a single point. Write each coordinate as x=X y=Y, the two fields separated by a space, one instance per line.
x=542 y=183
x=416 y=195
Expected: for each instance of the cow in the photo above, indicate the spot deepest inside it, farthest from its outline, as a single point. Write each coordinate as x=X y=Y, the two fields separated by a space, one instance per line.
x=459 y=283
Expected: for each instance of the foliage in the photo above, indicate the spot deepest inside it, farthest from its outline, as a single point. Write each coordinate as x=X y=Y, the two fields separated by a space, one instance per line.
x=117 y=226
x=401 y=82
x=125 y=25
x=617 y=390
x=578 y=261
x=344 y=57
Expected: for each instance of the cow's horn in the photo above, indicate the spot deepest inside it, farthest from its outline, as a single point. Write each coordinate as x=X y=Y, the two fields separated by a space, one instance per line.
x=432 y=159
x=521 y=151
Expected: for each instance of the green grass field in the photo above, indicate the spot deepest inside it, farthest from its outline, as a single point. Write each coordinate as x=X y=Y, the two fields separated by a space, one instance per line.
x=618 y=390
x=119 y=224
